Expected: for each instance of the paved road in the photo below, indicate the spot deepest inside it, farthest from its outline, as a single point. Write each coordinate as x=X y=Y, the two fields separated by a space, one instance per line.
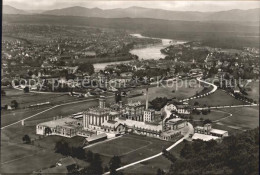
x=229 y=106
x=64 y=104
x=191 y=130
x=203 y=95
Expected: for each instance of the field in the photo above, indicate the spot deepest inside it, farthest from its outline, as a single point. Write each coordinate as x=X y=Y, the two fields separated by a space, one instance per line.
x=213 y=115
x=218 y=98
x=150 y=167
x=130 y=148
x=178 y=90
x=242 y=118
x=23 y=158
x=26 y=99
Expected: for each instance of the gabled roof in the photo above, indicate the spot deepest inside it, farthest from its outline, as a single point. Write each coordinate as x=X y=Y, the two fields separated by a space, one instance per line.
x=54 y=170
x=96 y=137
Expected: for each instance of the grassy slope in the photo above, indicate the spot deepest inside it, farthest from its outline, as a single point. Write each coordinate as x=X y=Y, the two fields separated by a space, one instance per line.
x=217 y=98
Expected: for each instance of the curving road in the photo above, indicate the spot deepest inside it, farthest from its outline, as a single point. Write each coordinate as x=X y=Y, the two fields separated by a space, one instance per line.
x=203 y=95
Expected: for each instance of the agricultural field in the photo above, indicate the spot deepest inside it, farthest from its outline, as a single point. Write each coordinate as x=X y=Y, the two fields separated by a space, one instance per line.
x=213 y=115
x=16 y=156
x=151 y=166
x=218 y=98
x=242 y=118
x=26 y=99
x=130 y=148
x=179 y=90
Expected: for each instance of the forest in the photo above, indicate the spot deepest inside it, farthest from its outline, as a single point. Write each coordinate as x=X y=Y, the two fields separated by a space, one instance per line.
x=235 y=155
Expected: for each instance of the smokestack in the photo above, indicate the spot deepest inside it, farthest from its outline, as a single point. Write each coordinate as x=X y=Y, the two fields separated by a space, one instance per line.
x=146 y=99
x=120 y=104
x=102 y=102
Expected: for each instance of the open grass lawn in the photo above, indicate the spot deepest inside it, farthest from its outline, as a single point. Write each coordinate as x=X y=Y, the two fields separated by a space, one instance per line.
x=26 y=99
x=49 y=142
x=8 y=117
x=178 y=90
x=217 y=98
x=130 y=148
x=27 y=160
x=243 y=118
x=123 y=145
x=213 y=115
x=15 y=151
x=149 y=167
x=16 y=132
x=17 y=157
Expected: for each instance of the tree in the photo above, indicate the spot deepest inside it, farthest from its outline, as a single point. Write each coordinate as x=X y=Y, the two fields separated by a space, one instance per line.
x=169 y=156
x=62 y=147
x=30 y=73
x=207 y=121
x=236 y=154
x=159 y=103
x=14 y=104
x=89 y=156
x=118 y=97
x=26 y=139
x=95 y=166
x=196 y=103
x=78 y=152
x=204 y=112
x=186 y=150
x=26 y=89
x=114 y=163
x=86 y=67
x=160 y=172
x=3 y=93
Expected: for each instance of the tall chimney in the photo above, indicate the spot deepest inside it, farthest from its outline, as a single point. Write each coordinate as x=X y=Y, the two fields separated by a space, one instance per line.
x=120 y=104
x=146 y=105
x=102 y=102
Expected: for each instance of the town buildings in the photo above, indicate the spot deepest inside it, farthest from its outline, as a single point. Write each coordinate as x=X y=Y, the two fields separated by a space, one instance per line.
x=207 y=133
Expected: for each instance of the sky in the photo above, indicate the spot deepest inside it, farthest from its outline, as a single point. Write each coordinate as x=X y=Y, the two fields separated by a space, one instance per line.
x=203 y=6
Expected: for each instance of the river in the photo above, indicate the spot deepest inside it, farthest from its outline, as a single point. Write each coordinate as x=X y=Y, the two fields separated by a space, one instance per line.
x=146 y=53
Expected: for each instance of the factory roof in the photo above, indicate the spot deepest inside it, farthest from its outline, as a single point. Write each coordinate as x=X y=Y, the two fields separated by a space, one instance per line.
x=96 y=137
x=67 y=122
x=218 y=131
x=137 y=124
x=204 y=137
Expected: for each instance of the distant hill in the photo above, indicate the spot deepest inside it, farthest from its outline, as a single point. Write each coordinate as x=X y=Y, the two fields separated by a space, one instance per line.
x=251 y=15
x=140 y=12
x=7 y=9
x=215 y=33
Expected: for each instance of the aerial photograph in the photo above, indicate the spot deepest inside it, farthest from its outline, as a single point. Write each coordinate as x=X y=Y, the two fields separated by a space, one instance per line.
x=130 y=87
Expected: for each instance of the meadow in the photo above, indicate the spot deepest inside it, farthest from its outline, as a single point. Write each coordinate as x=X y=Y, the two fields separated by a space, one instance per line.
x=130 y=148
x=218 y=98
x=177 y=90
